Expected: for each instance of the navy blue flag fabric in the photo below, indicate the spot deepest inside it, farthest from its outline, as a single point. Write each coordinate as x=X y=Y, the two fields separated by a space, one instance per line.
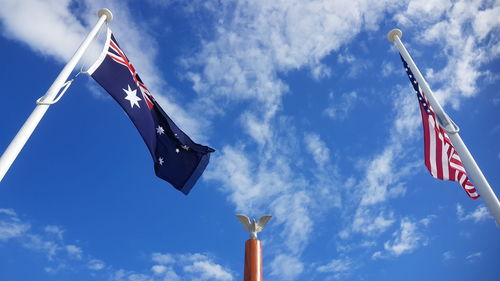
x=177 y=159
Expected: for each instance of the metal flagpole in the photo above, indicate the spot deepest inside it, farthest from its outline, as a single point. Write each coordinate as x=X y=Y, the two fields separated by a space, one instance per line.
x=49 y=98
x=253 y=247
x=473 y=170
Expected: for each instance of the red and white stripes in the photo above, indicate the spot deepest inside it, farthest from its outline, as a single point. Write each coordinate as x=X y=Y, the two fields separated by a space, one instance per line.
x=441 y=158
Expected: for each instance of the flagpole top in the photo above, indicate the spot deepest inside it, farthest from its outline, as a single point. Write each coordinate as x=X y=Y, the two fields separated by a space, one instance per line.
x=394 y=32
x=107 y=12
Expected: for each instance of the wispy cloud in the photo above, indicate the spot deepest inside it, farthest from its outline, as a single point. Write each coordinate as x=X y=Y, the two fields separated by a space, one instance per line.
x=96 y=265
x=286 y=267
x=317 y=148
x=48 y=241
x=448 y=255
x=11 y=226
x=461 y=44
x=478 y=215
x=473 y=257
x=65 y=257
x=338 y=268
x=405 y=240
x=54 y=229
x=195 y=266
x=385 y=173
x=341 y=105
x=74 y=252
x=388 y=69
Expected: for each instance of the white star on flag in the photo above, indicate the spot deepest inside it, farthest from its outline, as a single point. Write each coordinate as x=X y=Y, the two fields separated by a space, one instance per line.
x=160 y=130
x=160 y=161
x=132 y=97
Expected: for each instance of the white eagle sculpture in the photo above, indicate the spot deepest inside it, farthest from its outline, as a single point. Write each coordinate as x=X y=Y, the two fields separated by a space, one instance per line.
x=254 y=226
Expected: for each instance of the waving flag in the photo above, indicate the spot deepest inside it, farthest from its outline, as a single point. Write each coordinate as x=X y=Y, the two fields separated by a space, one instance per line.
x=177 y=159
x=441 y=159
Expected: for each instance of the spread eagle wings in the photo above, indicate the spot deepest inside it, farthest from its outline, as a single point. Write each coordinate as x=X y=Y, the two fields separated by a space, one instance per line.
x=254 y=226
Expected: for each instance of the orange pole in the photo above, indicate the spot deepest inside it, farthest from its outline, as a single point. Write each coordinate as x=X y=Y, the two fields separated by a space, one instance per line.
x=253 y=260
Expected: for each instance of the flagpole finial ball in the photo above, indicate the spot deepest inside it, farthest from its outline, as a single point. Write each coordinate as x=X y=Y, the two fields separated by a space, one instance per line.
x=107 y=12
x=394 y=32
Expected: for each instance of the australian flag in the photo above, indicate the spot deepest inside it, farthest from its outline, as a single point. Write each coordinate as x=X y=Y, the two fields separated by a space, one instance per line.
x=177 y=159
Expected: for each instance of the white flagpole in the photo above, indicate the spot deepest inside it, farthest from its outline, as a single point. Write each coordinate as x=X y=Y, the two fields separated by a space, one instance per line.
x=473 y=170
x=49 y=98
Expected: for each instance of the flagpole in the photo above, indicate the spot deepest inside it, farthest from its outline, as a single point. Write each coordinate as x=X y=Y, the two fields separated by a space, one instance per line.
x=253 y=247
x=473 y=170
x=49 y=98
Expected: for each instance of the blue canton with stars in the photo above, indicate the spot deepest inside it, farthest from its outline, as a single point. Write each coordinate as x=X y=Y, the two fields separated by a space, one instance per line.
x=177 y=159
x=421 y=99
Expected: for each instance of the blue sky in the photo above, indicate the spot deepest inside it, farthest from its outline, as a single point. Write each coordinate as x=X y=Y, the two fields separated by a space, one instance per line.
x=313 y=120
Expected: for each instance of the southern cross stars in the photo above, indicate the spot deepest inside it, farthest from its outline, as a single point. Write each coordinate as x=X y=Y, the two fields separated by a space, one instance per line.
x=132 y=97
x=160 y=131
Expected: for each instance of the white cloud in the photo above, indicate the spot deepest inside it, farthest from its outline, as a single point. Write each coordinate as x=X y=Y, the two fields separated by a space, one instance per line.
x=47 y=241
x=10 y=225
x=448 y=255
x=66 y=257
x=479 y=214
x=38 y=243
x=317 y=148
x=9 y=212
x=385 y=172
x=159 y=269
x=54 y=22
x=54 y=229
x=54 y=269
x=162 y=258
x=209 y=270
x=377 y=255
x=293 y=210
x=286 y=267
x=427 y=220
x=388 y=69
x=406 y=239
x=370 y=223
x=321 y=71
x=459 y=43
x=96 y=265
x=421 y=10
x=74 y=252
x=247 y=182
x=336 y=266
x=473 y=257
x=259 y=39
x=486 y=21
x=341 y=105
x=193 y=266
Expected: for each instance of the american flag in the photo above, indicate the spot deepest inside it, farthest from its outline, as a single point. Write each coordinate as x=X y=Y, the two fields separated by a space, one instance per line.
x=441 y=158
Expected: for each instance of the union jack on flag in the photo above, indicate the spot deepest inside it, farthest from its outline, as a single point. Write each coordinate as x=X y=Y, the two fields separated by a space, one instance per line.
x=441 y=158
